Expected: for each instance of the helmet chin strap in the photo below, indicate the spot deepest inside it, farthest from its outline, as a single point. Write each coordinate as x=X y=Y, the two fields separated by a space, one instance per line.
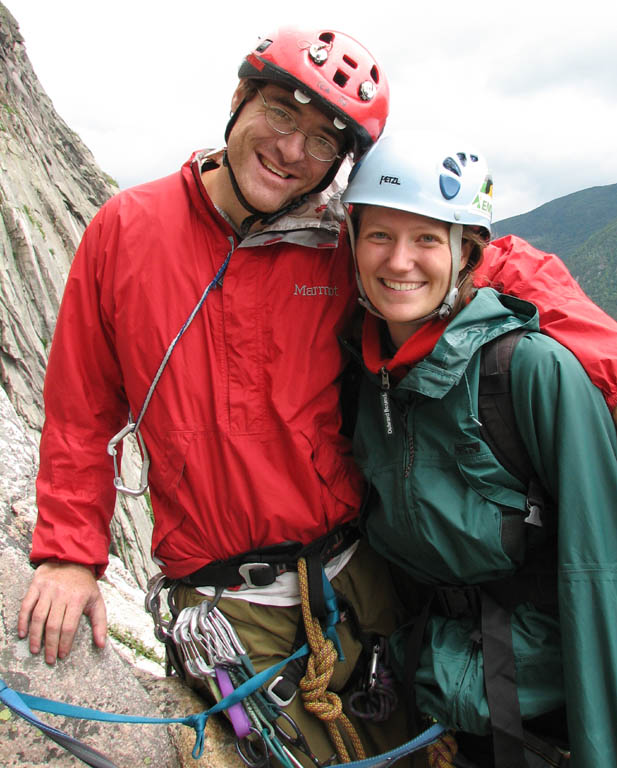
x=363 y=299
x=456 y=246
x=445 y=309
x=263 y=217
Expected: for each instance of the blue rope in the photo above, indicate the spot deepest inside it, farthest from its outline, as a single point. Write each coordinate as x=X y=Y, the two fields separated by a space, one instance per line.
x=19 y=703
x=429 y=736
x=86 y=754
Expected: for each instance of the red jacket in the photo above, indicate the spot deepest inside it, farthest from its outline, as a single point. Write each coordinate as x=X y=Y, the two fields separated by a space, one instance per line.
x=243 y=427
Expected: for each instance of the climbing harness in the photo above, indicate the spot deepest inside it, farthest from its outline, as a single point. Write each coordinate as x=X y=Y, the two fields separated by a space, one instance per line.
x=260 y=567
x=209 y=650
x=133 y=426
x=205 y=642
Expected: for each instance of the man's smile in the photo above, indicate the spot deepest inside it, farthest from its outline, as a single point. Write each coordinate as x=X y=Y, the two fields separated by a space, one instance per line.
x=273 y=168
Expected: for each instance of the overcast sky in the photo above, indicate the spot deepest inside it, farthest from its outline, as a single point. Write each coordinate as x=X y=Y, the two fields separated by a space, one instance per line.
x=532 y=84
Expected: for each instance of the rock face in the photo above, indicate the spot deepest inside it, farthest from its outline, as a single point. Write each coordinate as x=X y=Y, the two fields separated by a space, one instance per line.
x=50 y=188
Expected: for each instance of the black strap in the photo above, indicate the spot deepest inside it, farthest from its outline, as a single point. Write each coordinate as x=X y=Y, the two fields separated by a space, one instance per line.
x=314 y=577
x=498 y=653
x=498 y=428
x=496 y=409
x=283 y=688
x=412 y=660
x=500 y=685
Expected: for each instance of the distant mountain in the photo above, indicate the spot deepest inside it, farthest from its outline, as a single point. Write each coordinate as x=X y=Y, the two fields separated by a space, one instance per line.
x=581 y=228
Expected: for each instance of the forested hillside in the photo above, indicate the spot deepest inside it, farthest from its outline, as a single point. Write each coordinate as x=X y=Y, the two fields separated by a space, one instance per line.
x=582 y=229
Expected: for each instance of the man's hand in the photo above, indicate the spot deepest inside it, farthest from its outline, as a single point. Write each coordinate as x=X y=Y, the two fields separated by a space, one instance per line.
x=58 y=595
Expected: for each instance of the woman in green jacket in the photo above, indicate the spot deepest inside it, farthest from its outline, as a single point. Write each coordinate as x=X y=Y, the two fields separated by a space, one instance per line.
x=512 y=579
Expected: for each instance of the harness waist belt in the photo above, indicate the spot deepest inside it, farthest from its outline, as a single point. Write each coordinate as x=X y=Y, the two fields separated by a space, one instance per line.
x=260 y=567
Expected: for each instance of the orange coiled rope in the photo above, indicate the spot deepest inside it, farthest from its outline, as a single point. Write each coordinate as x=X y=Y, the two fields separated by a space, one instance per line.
x=442 y=752
x=324 y=704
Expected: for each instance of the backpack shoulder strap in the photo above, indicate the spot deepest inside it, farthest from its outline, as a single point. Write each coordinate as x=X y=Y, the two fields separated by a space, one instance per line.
x=496 y=410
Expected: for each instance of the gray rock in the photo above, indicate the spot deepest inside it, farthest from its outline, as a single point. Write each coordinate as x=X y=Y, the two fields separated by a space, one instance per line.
x=50 y=187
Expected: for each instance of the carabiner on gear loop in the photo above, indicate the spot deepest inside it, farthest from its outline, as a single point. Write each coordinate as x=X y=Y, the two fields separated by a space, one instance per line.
x=131 y=428
x=152 y=602
x=249 y=754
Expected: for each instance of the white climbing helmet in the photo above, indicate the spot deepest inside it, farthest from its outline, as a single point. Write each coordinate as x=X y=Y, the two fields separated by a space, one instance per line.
x=449 y=185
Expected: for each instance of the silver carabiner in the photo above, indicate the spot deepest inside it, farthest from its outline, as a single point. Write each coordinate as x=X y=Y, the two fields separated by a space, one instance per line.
x=153 y=605
x=131 y=428
x=194 y=662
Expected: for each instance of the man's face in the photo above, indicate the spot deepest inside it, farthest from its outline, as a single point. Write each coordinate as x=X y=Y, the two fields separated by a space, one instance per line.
x=272 y=169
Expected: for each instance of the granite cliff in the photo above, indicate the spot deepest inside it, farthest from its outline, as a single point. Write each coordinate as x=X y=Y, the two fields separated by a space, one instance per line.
x=50 y=188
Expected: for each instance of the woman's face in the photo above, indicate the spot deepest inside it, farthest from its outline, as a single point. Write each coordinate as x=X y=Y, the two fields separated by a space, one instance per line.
x=405 y=264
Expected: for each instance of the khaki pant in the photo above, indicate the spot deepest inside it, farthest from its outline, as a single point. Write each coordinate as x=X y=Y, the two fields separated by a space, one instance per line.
x=268 y=634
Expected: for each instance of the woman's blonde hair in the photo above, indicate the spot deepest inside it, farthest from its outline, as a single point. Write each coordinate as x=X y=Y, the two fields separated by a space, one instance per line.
x=466 y=288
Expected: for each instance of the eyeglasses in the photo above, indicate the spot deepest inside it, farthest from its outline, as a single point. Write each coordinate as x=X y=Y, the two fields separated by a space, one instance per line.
x=282 y=122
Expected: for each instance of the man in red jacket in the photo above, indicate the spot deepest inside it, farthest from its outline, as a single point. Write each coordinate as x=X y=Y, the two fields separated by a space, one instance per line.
x=232 y=273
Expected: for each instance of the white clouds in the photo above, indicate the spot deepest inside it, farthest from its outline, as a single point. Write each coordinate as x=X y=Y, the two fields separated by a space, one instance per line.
x=145 y=83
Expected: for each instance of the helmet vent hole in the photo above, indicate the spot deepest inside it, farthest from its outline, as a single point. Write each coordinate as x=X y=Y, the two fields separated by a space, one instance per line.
x=263 y=45
x=340 y=78
x=473 y=158
x=462 y=157
x=452 y=165
x=375 y=74
x=326 y=37
x=353 y=64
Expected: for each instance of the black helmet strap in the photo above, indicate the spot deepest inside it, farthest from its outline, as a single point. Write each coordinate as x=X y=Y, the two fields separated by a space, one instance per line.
x=257 y=215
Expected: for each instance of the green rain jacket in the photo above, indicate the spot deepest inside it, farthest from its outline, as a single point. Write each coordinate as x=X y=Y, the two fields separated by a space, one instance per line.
x=439 y=511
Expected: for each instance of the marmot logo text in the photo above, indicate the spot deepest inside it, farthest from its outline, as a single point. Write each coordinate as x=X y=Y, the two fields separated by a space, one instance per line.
x=315 y=290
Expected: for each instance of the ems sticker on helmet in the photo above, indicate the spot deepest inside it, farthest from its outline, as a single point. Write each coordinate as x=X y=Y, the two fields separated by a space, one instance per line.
x=483 y=203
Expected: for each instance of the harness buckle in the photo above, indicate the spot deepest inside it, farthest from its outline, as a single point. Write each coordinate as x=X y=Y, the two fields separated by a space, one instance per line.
x=282 y=691
x=249 y=570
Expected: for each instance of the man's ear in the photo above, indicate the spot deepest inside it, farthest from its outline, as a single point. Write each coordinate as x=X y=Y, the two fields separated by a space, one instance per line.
x=243 y=90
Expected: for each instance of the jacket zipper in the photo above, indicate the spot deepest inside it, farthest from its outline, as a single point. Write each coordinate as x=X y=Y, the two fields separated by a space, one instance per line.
x=410 y=444
x=386 y=409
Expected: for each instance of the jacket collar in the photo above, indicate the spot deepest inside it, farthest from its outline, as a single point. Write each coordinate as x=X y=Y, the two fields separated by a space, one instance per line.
x=487 y=316
x=316 y=224
x=397 y=362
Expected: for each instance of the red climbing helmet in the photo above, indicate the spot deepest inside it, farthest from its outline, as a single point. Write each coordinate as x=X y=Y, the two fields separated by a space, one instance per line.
x=331 y=70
